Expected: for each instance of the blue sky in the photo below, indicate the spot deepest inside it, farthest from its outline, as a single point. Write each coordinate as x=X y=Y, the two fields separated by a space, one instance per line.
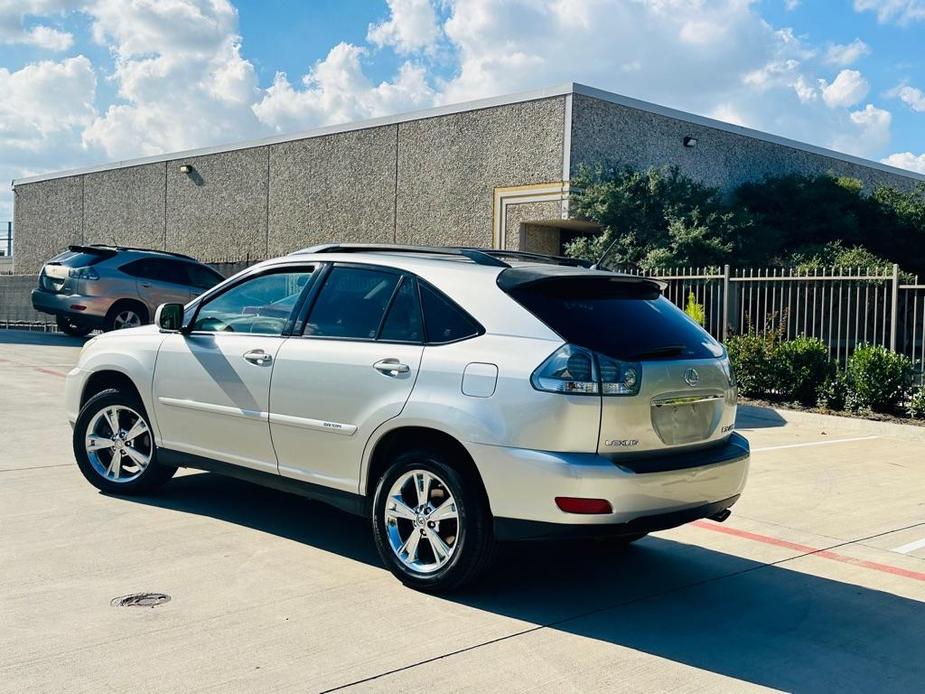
x=89 y=81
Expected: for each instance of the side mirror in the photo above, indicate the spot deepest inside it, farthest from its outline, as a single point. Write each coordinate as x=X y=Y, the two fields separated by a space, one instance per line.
x=169 y=317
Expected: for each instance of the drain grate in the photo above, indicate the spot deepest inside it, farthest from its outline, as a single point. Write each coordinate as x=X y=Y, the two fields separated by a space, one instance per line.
x=140 y=600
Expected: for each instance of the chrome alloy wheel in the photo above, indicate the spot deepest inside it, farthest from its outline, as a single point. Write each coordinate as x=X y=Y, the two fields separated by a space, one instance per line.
x=126 y=318
x=422 y=521
x=118 y=443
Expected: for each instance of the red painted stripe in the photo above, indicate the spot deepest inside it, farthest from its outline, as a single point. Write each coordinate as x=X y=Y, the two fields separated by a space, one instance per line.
x=814 y=551
x=51 y=372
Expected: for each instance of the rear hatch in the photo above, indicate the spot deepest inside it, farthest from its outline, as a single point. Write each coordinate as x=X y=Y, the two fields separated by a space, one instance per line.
x=680 y=393
x=56 y=275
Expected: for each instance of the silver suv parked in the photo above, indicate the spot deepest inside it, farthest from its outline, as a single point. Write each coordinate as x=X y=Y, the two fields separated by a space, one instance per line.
x=111 y=287
x=456 y=397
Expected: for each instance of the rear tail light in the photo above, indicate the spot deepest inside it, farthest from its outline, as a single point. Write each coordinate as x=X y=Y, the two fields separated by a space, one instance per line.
x=579 y=371
x=82 y=273
x=572 y=504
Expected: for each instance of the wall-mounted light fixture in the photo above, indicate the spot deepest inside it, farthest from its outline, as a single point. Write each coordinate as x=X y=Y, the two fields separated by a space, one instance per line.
x=186 y=168
x=690 y=141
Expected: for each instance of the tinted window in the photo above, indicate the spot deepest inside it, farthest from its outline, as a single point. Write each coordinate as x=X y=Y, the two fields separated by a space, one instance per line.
x=351 y=303
x=403 y=321
x=260 y=305
x=202 y=277
x=79 y=258
x=444 y=320
x=624 y=321
x=157 y=269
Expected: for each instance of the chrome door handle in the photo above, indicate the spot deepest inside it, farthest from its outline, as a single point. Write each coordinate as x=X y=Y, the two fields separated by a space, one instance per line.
x=391 y=367
x=258 y=357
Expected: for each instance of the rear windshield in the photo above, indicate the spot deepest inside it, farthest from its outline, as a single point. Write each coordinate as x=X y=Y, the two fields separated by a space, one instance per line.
x=622 y=320
x=78 y=258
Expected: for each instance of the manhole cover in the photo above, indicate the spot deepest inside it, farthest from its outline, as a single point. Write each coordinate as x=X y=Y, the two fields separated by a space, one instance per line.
x=140 y=600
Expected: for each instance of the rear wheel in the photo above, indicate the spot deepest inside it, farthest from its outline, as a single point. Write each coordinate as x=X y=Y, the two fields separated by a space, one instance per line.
x=114 y=445
x=432 y=526
x=73 y=326
x=125 y=314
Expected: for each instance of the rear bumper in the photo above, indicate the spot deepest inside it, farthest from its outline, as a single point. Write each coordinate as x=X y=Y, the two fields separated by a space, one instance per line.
x=60 y=305
x=514 y=529
x=522 y=486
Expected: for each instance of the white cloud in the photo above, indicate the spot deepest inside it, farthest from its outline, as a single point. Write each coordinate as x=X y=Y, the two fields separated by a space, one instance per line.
x=336 y=90
x=411 y=26
x=13 y=29
x=181 y=77
x=902 y=11
x=907 y=160
x=846 y=53
x=791 y=5
x=848 y=88
x=913 y=97
x=871 y=132
x=44 y=107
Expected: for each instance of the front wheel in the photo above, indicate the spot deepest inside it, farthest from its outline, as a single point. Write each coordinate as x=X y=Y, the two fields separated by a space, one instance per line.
x=431 y=524
x=114 y=445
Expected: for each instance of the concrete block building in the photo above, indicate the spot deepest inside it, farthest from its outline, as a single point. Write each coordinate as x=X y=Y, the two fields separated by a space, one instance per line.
x=491 y=173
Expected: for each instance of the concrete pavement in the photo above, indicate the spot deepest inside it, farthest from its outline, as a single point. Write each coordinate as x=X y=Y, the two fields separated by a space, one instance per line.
x=815 y=582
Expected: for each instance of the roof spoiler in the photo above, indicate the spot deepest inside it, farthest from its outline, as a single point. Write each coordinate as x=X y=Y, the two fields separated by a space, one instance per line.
x=520 y=277
x=95 y=250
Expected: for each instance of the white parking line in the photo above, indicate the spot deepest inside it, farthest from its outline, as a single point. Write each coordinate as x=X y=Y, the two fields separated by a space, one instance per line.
x=911 y=547
x=814 y=443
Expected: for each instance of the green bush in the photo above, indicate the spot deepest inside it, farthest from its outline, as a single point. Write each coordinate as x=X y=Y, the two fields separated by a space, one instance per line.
x=878 y=379
x=751 y=356
x=695 y=310
x=799 y=366
x=915 y=408
x=833 y=393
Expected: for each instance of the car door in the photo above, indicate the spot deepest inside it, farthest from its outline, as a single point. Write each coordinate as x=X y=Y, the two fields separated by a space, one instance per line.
x=212 y=386
x=160 y=281
x=352 y=369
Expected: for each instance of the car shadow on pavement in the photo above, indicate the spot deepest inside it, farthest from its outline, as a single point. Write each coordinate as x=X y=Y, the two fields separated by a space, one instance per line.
x=758 y=417
x=755 y=622
x=30 y=337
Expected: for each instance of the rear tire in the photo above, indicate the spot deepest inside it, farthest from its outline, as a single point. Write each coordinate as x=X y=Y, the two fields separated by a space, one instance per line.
x=125 y=314
x=114 y=445
x=437 y=540
x=73 y=326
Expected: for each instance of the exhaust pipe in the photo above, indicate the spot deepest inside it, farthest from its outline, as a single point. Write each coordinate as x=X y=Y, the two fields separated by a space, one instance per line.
x=721 y=516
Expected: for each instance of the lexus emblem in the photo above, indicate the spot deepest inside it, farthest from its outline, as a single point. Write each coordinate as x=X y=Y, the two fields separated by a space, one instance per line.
x=691 y=377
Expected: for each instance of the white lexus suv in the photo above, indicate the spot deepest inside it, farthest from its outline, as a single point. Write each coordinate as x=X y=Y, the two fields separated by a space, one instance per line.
x=456 y=397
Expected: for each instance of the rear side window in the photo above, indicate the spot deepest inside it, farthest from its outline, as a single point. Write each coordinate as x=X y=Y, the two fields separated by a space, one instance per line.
x=202 y=277
x=351 y=303
x=444 y=321
x=157 y=269
x=624 y=321
x=403 y=321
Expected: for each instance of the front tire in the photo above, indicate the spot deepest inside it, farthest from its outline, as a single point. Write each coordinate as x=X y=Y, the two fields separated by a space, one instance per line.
x=431 y=524
x=114 y=445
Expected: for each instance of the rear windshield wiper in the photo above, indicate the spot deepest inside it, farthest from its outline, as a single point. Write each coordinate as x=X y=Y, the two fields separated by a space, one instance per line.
x=666 y=351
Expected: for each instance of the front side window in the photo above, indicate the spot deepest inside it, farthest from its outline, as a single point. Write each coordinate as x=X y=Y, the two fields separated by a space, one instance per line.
x=351 y=303
x=202 y=277
x=261 y=305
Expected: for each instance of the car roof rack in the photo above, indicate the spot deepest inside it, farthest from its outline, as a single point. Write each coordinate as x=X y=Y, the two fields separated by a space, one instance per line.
x=491 y=257
x=477 y=256
x=107 y=246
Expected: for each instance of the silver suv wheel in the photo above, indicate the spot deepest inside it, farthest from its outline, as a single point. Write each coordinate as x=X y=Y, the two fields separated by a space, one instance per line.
x=118 y=444
x=126 y=318
x=422 y=521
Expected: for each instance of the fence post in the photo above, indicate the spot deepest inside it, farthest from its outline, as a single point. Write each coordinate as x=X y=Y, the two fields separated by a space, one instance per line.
x=894 y=308
x=726 y=283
